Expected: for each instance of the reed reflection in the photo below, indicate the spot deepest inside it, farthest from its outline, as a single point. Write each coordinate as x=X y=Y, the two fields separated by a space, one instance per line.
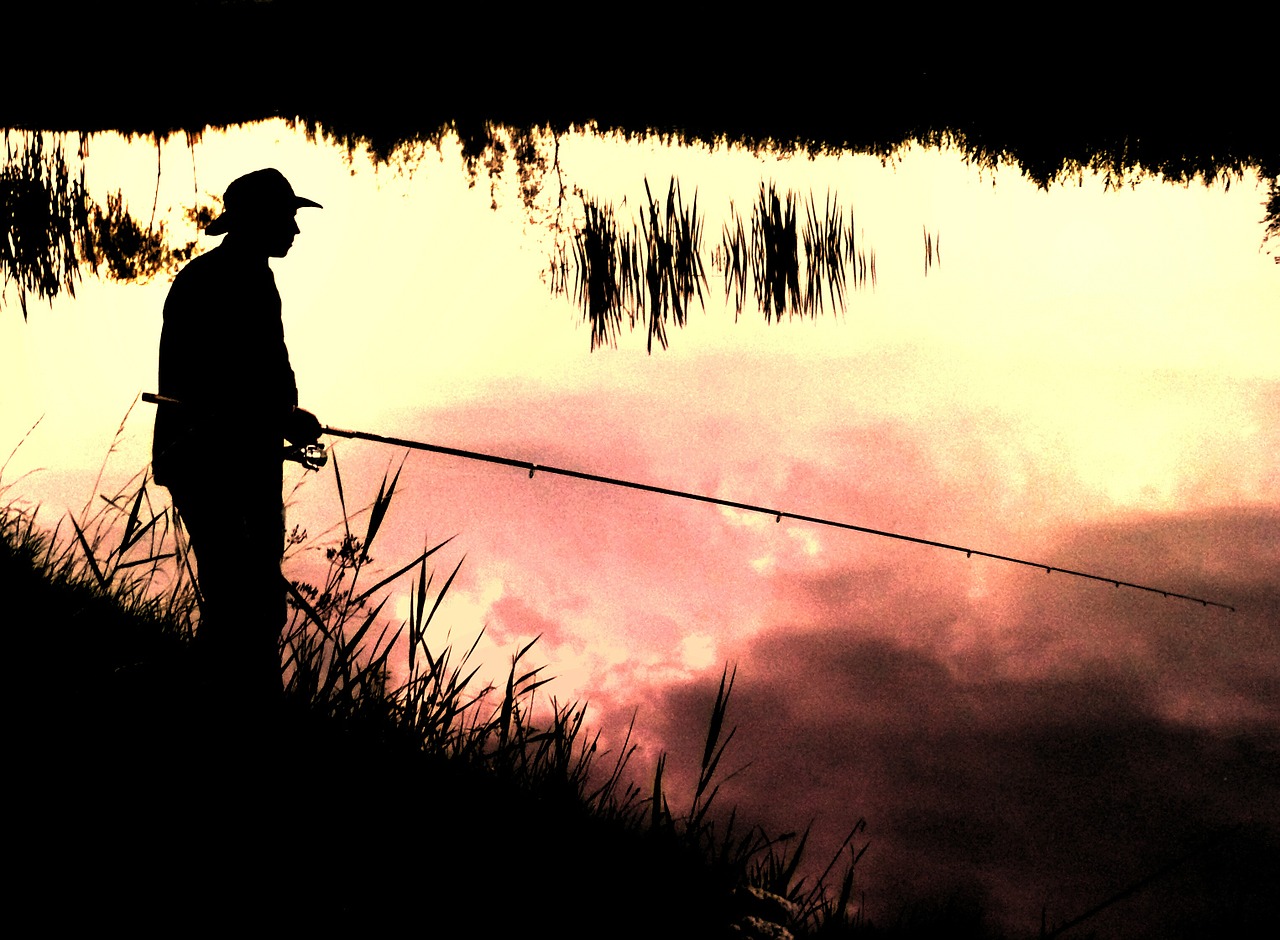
x=55 y=231
x=791 y=264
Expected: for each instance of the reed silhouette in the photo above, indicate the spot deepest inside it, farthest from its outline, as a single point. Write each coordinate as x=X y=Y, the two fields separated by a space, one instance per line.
x=651 y=273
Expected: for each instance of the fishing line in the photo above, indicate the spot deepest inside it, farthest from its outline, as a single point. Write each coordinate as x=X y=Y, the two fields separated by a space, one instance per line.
x=777 y=514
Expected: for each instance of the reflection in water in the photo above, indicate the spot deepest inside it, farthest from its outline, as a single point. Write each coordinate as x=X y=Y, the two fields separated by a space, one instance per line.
x=932 y=249
x=55 y=231
x=793 y=263
x=833 y=256
x=1271 y=220
x=131 y=253
x=673 y=270
x=651 y=273
x=824 y=242
x=955 y=426
x=775 y=259
x=45 y=215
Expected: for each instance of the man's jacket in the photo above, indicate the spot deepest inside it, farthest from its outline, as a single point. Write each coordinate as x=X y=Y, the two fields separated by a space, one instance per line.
x=222 y=354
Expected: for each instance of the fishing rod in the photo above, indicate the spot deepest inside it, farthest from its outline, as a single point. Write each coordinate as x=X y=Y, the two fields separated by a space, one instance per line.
x=314 y=457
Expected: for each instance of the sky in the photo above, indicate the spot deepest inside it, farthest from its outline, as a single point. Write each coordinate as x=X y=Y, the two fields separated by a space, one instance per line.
x=1087 y=379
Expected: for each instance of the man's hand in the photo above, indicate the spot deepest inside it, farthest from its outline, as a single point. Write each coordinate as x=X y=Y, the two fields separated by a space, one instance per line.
x=302 y=427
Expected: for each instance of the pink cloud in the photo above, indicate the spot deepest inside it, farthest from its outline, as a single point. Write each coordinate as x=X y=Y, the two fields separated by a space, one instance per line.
x=1051 y=787
x=1014 y=738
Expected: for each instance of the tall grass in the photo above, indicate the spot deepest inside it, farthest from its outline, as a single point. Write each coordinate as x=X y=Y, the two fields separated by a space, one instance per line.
x=509 y=751
x=120 y=545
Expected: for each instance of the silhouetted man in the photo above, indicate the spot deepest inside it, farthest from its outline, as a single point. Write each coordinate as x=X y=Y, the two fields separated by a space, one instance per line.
x=223 y=357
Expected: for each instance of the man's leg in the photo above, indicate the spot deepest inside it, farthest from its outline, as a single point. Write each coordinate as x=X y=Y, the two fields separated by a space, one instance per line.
x=237 y=533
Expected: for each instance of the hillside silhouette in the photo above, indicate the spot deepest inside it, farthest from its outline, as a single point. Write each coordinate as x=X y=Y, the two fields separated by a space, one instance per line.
x=149 y=792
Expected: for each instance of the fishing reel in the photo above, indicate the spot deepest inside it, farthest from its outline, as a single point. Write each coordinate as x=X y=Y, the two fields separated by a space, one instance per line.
x=312 y=456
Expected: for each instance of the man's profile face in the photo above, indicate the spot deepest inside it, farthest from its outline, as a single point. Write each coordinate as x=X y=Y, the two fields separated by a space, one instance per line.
x=272 y=231
x=278 y=232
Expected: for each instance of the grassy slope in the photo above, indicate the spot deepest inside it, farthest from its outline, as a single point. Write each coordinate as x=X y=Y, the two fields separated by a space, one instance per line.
x=146 y=798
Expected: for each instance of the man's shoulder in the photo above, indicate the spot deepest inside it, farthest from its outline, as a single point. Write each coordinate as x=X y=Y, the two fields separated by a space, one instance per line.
x=212 y=263
x=218 y=271
x=198 y=287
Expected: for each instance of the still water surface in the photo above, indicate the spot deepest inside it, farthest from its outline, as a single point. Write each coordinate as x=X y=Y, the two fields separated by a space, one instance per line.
x=1069 y=375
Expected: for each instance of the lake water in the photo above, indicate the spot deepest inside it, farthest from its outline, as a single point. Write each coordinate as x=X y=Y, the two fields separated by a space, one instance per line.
x=1083 y=376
